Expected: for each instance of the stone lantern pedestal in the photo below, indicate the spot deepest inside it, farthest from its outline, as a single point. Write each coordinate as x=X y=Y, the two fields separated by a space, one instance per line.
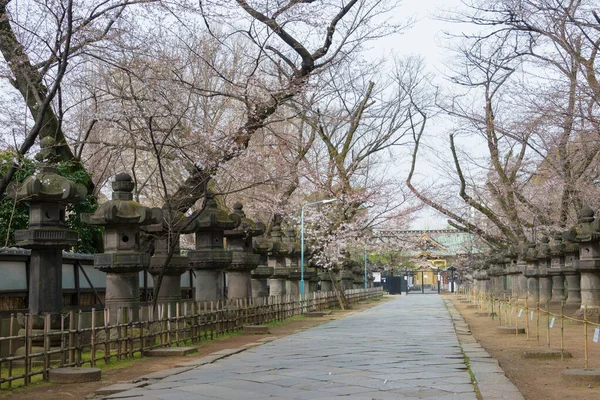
x=326 y=284
x=533 y=289
x=261 y=274
x=276 y=260
x=588 y=264
x=557 y=263
x=209 y=258
x=543 y=258
x=122 y=260
x=311 y=275
x=277 y=281
x=167 y=233
x=532 y=274
x=573 y=277
x=346 y=280
x=484 y=281
x=292 y=284
x=239 y=242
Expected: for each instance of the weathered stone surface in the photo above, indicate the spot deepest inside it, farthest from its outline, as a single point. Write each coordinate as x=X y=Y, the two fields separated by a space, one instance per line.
x=170 y=352
x=74 y=375
x=309 y=365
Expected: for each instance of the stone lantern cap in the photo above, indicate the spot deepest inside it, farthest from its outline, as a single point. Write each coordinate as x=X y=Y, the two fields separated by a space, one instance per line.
x=172 y=221
x=214 y=217
x=122 y=209
x=48 y=186
x=279 y=247
x=589 y=227
x=262 y=244
x=167 y=231
x=209 y=227
x=543 y=248
x=530 y=254
x=239 y=241
x=292 y=239
x=48 y=194
x=122 y=218
x=557 y=249
x=247 y=227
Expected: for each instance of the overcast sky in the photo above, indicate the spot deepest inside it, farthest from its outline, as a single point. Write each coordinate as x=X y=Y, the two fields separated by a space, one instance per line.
x=425 y=38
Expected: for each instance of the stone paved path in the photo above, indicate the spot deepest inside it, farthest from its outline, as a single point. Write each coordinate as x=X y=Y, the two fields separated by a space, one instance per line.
x=402 y=349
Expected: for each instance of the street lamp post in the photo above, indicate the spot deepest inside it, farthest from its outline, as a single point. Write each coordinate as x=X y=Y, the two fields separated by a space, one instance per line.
x=302 y=241
x=366 y=282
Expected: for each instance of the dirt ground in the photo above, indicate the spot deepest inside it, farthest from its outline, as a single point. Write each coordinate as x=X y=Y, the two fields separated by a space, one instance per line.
x=133 y=369
x=536 y=379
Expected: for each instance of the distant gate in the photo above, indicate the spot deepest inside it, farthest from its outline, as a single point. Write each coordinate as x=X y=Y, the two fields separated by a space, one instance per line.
x=413 y=282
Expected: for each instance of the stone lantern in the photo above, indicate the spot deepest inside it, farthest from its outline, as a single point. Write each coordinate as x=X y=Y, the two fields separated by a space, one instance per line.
x=519 y=267
x=531 y=272
x=210 y=258
x=571 y=252
x=122 y=259
x=292 y=284
x=496 y=275
x=48 y=195
x=543 y=257
x=557 y=264
x=260 y=287
x=589 y=262
x=239 y=242
x=167 y=233
x=276 y=260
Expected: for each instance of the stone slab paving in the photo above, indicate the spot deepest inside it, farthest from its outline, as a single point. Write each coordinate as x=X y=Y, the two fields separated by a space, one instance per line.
x=402 y=349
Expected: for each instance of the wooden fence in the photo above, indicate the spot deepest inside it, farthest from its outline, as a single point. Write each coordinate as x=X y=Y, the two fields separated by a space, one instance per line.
x=88 y=339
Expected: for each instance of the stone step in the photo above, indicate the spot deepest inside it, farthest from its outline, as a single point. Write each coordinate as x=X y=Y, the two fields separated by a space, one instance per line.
x=256 y=329
x=509 y=330
x=581 y=376
x=314 y=314
x=74 y=375
x=170 y=352
x=546 y=354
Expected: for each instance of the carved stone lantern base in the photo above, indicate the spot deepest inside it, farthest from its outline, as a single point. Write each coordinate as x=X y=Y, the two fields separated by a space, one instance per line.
x=326 y=284
x=170 y=287
x=545 y=286
x=311 y=275
x=573 y=287
x=259 y=281
x=346 y=280
x=533 y=288
x=239 y=274
x=558 y=285
x=277 y=281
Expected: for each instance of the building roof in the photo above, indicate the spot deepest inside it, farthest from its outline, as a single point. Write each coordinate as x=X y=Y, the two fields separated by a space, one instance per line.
x=436 y=243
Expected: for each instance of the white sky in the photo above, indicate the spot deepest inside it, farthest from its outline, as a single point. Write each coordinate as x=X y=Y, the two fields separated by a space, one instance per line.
x=427 y=39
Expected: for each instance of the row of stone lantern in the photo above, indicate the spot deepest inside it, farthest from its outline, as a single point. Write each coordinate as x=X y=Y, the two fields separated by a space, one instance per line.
x=538 y=271
x=225 y=242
